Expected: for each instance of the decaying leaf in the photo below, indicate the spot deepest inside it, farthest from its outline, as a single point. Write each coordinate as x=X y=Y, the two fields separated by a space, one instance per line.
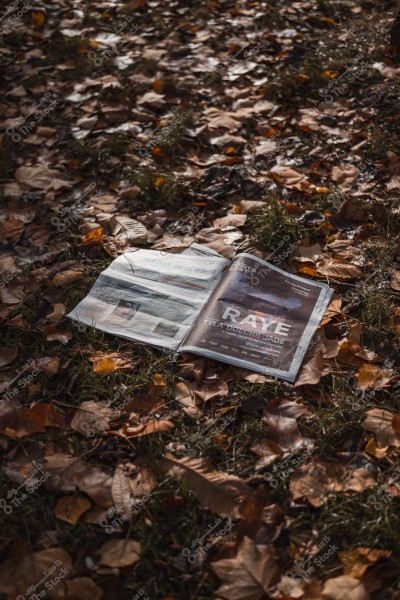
x=371 y=377
x=249 y=575
x=345 y=587
x=216 y=490
x=22 y=572
x=7 y=356
x=71 y=508
x=384 y=425
x=119 y=553
x=121 y=492
x=92 y=418
x=318 y=478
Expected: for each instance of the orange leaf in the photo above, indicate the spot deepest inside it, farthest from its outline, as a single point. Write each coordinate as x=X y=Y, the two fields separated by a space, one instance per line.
x=159 y=181
x=328 y=75
x=105 y=365
x=158 y=152
x=95 y=236
x=328 y=20
x=158 y=85
x=38 y=19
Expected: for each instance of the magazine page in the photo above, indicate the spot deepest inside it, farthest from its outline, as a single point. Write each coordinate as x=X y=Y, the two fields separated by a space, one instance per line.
x=259 y=317
x=150 y=296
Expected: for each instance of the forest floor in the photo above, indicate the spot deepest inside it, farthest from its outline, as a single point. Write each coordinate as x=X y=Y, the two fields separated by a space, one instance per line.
x=129 y=473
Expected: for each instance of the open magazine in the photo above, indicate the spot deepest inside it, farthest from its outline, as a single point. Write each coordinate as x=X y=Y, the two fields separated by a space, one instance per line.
x=244 y=312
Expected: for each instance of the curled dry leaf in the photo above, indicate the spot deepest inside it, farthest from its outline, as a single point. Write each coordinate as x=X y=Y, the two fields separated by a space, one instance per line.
x=54 y=334
x=184 y=395
x=249 y=576
x=153 y=426
x=213 y=390
x=216 y=490
x=71 y=508
x=310 y=373
x=281 y=417
x=65 y=278
x=384 y=425
x=119 y=553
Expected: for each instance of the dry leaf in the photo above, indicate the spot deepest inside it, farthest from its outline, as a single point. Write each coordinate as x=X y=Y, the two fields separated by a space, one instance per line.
x=121 y=492
x=216 y=490
x=338 y=270
x=371 y=377
x=125 y=228
x=83 y=588
x=119 y=553
x=357 y=560
x=382 y=423
x=92 y=418
x=20 y=573
x=249 y=576
x=344 y=588
x=310 y=373
x=317 y=479
x=71 y=508
x=281 y=417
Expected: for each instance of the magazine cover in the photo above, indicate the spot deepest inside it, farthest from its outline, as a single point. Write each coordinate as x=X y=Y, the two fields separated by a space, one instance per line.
x=259 y=317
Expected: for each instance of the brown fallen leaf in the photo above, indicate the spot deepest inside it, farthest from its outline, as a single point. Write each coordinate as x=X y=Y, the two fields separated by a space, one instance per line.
x=121 y=492
x=83 y=588
x=336 y=269
x=212 y=390
x=69 y=472
x=218 y=491
x=127 y=229
x=384 y=425
x=318 y=478
x=153 y=426
x=92 y=418
x=7 y=356
x=71 y=508
x=357 y=560
x=280 y=415
x=18 y=574
x=344 y=588
x=119 y=553
x=54 y=334
x=67 y=277
x=310 y=373
x=268 y=451
x=371 y=377
x=21 y=422
x=249 y=575
x=185 y=396
x=50 y=365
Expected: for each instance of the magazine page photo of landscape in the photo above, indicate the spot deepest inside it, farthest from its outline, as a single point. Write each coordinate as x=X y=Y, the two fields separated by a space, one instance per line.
x=200 y=300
